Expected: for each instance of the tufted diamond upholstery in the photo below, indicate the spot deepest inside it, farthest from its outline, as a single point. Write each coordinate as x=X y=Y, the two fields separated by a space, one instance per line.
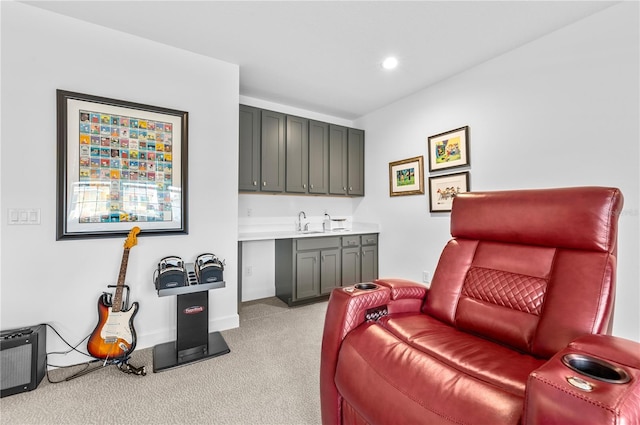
x=511 y=290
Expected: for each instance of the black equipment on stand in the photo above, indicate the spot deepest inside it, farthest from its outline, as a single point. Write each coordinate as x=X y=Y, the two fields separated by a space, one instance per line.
x=170 y=273
x=194 y=342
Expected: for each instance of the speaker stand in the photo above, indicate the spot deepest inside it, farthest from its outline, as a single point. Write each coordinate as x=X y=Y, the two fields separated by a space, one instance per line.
x=194 y=342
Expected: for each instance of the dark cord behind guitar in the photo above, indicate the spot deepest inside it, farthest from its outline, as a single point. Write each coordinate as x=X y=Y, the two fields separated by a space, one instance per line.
x=114 y=337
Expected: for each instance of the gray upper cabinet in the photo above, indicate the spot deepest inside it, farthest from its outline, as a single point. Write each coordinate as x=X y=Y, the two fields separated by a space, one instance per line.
x=346 y=161
x=272 y=156
x=318 y=157
x=280 y=153
x=297 y=163
x=355 y=158
x=338 y=160
x=249 y=159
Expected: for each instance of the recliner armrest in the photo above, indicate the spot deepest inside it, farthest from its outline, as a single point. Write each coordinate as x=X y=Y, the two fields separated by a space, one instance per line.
x=611 y=348
x=407 y=296
x=588 y=394
x=346 y=310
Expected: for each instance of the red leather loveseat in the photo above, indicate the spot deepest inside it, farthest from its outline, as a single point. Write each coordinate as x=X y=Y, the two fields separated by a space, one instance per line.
x=513 y=330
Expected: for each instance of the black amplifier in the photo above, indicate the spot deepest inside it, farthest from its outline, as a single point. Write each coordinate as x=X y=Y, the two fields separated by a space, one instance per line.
x=23 y=359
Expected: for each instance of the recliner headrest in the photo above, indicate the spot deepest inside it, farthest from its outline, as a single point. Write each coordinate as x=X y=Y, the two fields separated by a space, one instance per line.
x=558 y=217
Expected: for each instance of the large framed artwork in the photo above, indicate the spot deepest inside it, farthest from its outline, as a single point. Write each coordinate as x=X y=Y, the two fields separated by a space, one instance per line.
x=442 y=190
x=449 y=149
x=119 y=163
x=406 y=177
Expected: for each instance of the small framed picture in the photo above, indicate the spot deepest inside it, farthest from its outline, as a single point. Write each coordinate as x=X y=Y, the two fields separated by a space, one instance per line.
x=406 y=177
x=449 y=149
x=442 y=190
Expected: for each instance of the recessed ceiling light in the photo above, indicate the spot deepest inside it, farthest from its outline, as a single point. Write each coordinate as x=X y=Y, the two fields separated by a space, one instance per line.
x=390 y=63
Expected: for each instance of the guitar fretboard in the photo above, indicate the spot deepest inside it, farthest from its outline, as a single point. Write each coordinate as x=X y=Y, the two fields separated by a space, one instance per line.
x=117 y=298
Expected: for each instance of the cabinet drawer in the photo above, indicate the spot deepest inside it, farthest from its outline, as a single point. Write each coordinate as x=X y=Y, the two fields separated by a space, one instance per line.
x=351 y=240
x=371 y=239
x=317 y=243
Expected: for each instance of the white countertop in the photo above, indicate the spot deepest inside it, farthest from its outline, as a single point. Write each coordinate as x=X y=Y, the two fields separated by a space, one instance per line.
x=256 y=234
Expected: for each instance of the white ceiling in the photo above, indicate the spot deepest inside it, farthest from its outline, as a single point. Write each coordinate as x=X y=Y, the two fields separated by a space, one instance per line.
x=325 y=56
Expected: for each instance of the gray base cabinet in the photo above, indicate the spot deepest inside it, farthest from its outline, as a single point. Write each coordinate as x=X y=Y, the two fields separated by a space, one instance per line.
x=308 y=269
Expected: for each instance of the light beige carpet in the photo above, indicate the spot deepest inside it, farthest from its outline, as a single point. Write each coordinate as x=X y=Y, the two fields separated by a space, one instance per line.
x=270 y=377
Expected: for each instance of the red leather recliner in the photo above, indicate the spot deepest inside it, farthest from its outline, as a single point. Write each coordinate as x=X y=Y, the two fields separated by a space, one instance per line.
x=513 y=330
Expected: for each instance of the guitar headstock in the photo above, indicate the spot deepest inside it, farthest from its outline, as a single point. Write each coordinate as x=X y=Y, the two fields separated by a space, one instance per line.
x=132 y=239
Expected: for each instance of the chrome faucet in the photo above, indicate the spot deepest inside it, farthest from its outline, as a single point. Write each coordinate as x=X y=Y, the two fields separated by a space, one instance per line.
x=301 y=213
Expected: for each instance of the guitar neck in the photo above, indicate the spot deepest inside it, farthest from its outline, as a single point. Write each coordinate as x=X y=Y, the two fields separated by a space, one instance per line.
x=117 y=298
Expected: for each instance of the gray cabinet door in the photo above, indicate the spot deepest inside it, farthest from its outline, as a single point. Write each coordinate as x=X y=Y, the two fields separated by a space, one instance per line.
x=330 y=270
x=350 y=266
x=318 y=157
x=337 y=160
x=273 y=151
x=369 y=262
x=307 y=274
x=355 y=155
x=249 y=155
x=297 y=141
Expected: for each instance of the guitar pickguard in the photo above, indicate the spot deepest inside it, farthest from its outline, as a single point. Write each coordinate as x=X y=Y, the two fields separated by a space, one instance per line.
x=118 y=326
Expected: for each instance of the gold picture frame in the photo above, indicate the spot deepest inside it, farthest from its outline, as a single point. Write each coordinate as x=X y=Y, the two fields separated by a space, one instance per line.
x=406 y=177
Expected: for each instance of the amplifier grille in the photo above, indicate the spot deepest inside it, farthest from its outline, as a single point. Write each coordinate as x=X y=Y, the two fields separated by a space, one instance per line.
x=16 y=366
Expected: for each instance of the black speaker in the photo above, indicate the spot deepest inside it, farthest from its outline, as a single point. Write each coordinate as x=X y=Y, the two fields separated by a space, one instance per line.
x=23 y=359
x=209 y=268
x=170 y=273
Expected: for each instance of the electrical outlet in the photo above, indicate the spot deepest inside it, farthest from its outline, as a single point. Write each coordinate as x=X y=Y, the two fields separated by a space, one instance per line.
x=426 y=277
x=249 y=212
x=249 y=271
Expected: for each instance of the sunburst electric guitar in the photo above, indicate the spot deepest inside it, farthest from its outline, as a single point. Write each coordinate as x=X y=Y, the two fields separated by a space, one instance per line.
x=114 y=336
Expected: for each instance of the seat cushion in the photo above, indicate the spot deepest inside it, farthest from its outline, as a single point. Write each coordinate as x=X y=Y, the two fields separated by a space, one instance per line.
x=389 y=381
x=482 y=359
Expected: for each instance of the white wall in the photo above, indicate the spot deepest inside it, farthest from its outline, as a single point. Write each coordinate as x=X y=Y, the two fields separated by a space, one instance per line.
x=60 y=282
x=560 y=111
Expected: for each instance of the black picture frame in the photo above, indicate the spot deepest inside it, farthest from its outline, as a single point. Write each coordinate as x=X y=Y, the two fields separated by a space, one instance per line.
x=449 y=149
x=119 y=164
x=442 y=190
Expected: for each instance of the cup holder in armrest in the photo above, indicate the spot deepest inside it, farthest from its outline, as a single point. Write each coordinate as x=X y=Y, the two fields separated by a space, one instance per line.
x=595 y=368
x=365 y=286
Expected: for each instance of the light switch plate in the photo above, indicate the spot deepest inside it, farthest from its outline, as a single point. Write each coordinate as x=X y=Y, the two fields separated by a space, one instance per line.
x=24 y=216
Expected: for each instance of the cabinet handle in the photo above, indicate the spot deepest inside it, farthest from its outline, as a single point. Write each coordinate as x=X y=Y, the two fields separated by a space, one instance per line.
x=323 y=258
x=311 y=186
x=363 y=253
x=304 y=185
x=264 y=183
x=344 y=188
x=255 y=182
x=350 y=188
x=352 y=242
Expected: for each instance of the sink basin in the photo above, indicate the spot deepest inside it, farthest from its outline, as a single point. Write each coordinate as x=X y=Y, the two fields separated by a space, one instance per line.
x=310 y=232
